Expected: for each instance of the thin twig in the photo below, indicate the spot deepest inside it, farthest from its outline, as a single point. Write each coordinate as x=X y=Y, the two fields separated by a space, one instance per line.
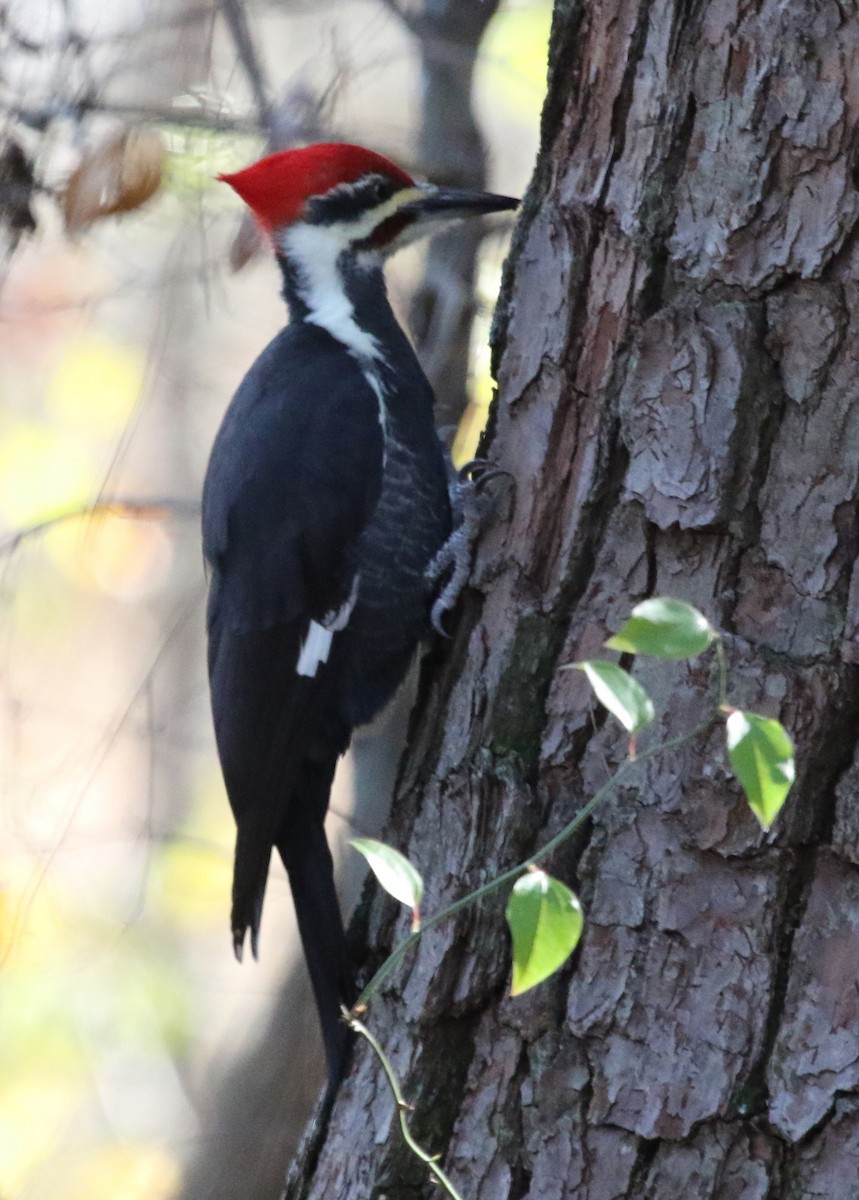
x=140 y=510
x=429 y=1160
x=723 y=672
x=37 y=118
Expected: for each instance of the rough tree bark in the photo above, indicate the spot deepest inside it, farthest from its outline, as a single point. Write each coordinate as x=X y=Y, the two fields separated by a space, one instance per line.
x=677 y=366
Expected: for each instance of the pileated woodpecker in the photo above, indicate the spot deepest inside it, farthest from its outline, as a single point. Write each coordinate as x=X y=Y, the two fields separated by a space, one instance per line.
x=325 y=502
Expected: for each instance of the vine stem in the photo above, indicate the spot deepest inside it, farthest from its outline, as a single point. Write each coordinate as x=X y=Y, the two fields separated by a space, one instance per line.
x=429 y=1160
x=723 y=672
x=395 y=958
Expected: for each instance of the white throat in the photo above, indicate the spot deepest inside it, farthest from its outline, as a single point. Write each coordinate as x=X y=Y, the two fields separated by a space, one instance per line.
x=314 y=251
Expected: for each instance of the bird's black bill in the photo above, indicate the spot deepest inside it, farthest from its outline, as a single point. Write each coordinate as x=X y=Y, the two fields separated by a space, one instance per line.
x=457 y=201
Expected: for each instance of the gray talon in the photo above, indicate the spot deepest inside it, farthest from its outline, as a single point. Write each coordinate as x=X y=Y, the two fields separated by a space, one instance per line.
x=471 y=508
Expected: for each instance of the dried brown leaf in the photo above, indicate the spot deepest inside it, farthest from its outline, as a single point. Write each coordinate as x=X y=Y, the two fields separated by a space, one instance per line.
x=118 y=176
x=247 y=243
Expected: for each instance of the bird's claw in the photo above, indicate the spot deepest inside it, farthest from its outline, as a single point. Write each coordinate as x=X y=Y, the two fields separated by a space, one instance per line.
x=480 y=471
x=458 y=551
x=455 y=555
x=437 y=613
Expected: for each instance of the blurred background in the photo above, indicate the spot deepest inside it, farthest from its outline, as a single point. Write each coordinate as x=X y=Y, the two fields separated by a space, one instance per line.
x=136 y=1058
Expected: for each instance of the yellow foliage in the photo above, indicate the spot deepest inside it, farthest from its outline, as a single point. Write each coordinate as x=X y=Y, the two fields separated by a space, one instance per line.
x=125 y=558
x=194 y=880
x=41 y=933
x=471 y=426
x=197 y=156
x=133 y=1172
x=41 y=472
x=33 y=1117
x=47 y=469
x=7 y=923
x=96 y=385
x=513 y=58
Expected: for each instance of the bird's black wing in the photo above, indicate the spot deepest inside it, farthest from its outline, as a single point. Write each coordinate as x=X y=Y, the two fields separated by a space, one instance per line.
x=294 y=476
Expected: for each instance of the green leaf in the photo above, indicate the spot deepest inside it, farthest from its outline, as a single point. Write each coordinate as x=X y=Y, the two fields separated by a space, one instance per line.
x=620 y=693
x=545 y=921
x=664 y=629
x=394 y=872
x=761 y=754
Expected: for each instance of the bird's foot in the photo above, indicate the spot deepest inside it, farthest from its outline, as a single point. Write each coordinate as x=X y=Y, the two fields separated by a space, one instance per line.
x=471 y=505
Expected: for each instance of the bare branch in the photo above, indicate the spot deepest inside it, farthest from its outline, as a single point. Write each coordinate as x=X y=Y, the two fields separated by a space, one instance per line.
x=158 y=509
x=198 y=118
x=236 y=18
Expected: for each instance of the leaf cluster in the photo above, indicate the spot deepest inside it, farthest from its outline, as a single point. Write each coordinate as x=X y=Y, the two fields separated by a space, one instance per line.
x=544 y=916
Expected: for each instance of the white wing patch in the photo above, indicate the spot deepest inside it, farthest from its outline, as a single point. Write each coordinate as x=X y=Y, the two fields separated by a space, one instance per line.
x=317 y=644
x=314 y=649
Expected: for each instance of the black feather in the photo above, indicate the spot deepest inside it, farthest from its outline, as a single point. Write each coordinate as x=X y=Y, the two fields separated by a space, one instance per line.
x=308 y=506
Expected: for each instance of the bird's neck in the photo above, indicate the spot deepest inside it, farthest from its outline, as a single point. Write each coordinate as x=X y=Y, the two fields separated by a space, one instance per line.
x=342 y=294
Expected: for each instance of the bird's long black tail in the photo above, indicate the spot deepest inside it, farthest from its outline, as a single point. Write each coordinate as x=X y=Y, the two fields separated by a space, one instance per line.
x=304 y=849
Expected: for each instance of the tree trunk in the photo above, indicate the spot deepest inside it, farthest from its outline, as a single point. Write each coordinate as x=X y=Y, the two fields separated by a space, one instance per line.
x=676 y=352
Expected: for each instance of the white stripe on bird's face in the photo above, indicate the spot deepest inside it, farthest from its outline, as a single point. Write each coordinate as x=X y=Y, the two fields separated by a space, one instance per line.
x=314 y=250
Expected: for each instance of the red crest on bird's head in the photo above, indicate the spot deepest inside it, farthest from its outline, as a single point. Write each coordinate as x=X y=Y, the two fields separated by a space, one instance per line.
x=276 y=188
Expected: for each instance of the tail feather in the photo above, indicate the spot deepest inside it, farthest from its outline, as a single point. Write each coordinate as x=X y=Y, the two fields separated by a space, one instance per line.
x=250 y=874
x=304 y=850
x=264 y=713
x=278 y=747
